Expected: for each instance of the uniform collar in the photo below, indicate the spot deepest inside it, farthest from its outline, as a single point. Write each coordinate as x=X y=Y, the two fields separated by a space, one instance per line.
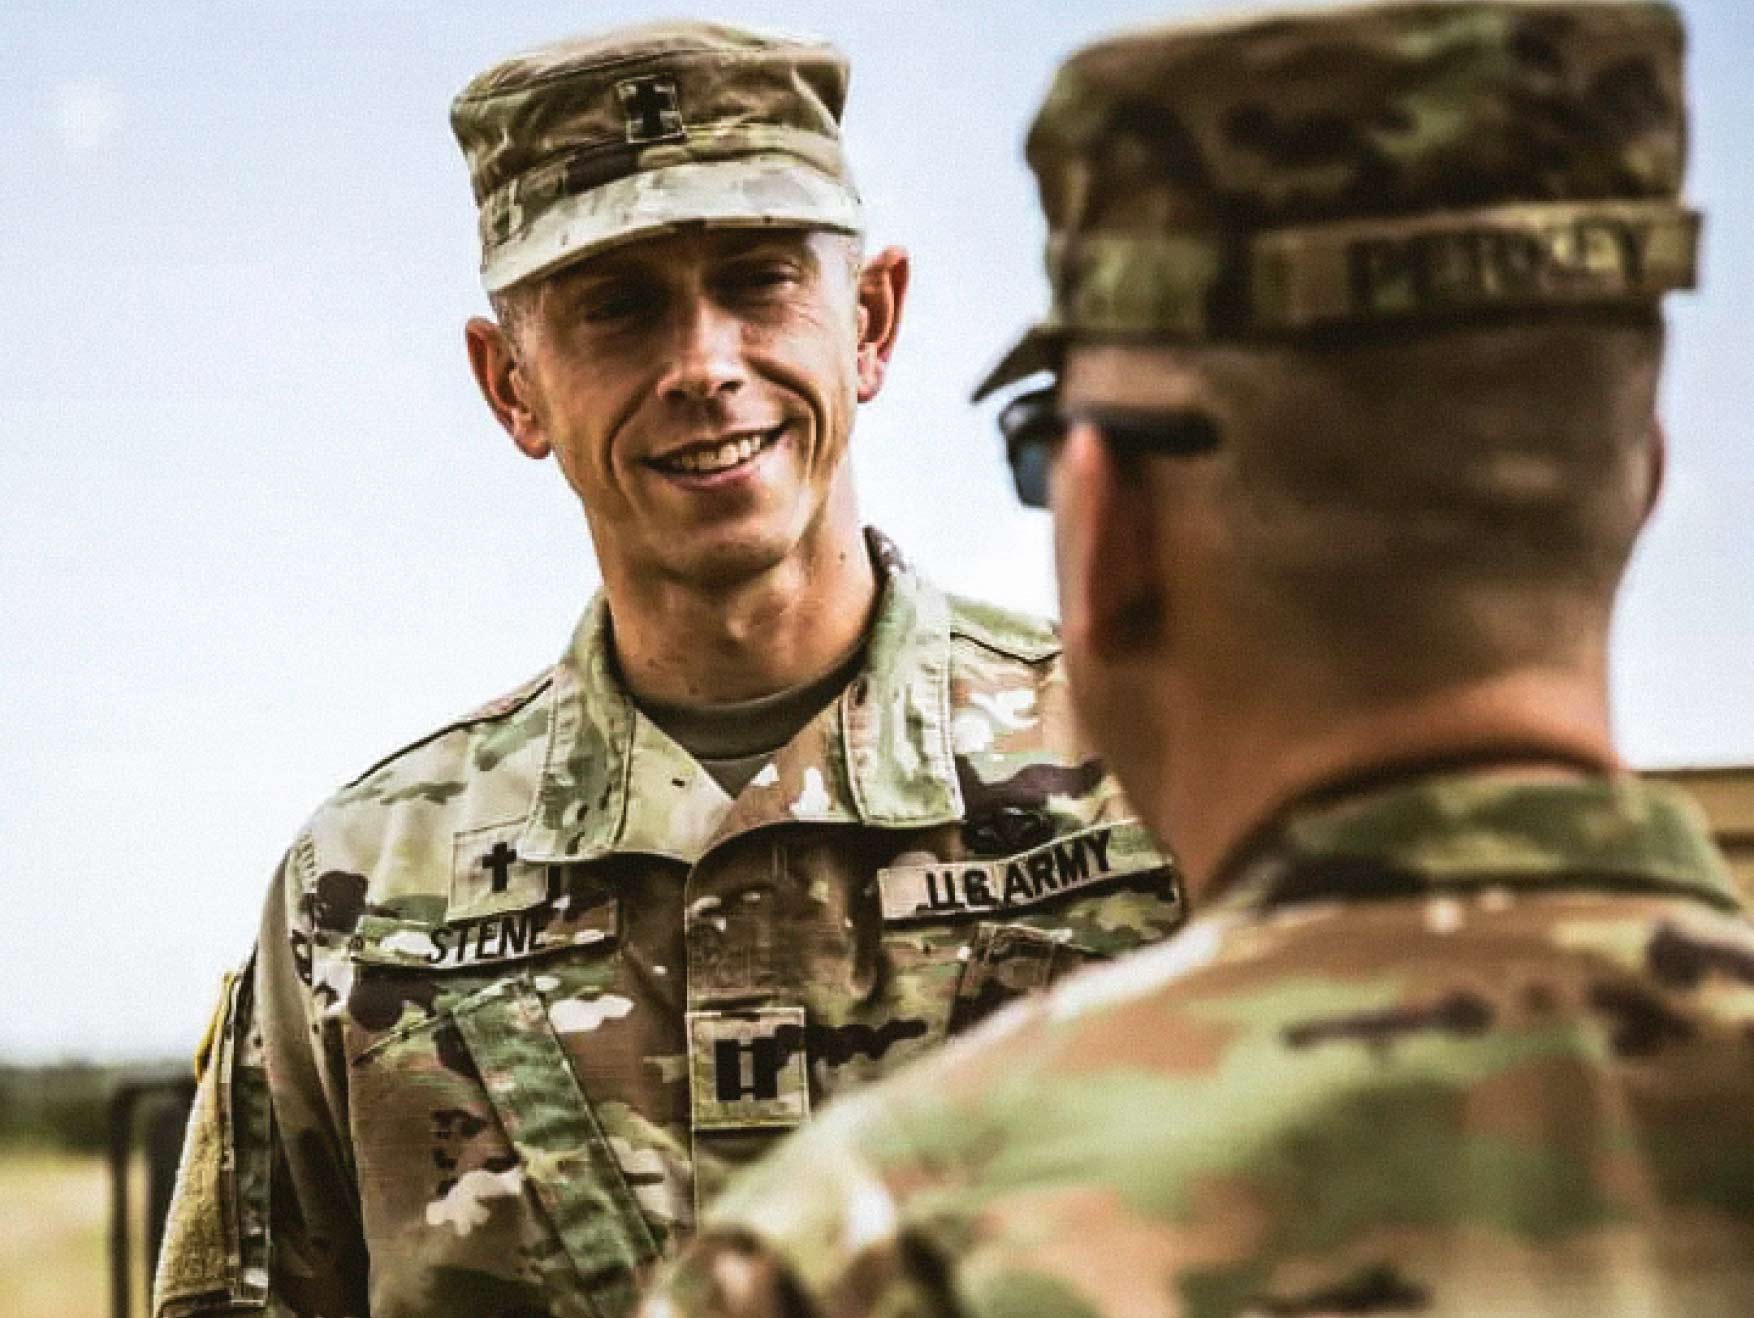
x=1471 y=830
x=879 y=754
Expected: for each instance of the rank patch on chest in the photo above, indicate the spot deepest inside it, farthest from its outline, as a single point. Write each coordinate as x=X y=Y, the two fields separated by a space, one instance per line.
x=747 y=1069
x=1070 y=864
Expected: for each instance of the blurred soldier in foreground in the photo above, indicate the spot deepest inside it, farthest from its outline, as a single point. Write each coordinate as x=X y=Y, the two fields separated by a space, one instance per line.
x=782 y=817
x=1357 y=342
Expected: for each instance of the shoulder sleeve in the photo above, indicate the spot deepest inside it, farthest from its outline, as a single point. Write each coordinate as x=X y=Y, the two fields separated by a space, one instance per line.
x=812 y=1231
x=265 y=1216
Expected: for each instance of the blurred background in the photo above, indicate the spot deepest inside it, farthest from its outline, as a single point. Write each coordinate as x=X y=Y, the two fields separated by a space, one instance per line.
x=257 y=530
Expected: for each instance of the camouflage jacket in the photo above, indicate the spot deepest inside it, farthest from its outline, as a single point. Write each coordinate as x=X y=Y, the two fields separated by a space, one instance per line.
x=1466 y=1045
x=529 y=988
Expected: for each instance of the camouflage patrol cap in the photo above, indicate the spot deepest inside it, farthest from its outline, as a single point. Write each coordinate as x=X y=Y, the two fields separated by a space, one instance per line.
x=597 y=140
x=1379 y=163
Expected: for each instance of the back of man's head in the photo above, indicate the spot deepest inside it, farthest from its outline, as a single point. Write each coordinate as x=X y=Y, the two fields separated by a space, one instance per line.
x=1411 y=257
x=1401 y=265
x=1427 y=508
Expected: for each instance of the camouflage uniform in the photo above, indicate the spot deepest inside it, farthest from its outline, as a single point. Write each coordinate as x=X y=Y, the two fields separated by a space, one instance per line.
x=1463 y=1045
x=1446 y=1042
x=527 y=989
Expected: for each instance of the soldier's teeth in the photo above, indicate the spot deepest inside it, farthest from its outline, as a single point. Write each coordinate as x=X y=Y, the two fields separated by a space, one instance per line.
x=728 y=454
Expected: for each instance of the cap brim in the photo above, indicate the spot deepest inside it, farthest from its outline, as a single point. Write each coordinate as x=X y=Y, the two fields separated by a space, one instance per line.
x=748 y=191
x=1038 y=350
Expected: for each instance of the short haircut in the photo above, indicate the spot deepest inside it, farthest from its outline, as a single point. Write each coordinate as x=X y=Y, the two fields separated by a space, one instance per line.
x=1441 y=504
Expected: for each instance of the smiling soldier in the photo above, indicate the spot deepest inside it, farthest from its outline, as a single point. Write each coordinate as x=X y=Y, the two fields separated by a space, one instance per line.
x=782 y=817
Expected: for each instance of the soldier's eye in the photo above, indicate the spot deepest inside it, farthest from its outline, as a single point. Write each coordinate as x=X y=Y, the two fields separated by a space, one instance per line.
x=619 y=301
x=617 y=308
x=761 y=278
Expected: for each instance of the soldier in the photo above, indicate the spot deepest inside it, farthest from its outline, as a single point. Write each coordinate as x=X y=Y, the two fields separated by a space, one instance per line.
x=1356 y=341
x=782 y=816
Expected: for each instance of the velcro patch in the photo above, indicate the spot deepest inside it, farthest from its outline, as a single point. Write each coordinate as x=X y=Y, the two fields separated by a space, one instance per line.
x=487 y=877
x=747 y=1069
x=486 y=939
x=1507 y=255
x=1068 y=864
x=652 y=108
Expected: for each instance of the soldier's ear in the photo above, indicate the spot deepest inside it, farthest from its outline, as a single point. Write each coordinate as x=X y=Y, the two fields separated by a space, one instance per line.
x=882 y=293
x=1658 y=465
x=1113 y=600
x=505 y=384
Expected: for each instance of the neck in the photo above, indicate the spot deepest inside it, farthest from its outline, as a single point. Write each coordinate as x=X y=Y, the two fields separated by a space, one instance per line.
x=1231 y=776
x=698 y=643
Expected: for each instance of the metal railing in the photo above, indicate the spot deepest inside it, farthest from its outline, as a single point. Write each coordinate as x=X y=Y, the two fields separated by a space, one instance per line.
x=147 y=1116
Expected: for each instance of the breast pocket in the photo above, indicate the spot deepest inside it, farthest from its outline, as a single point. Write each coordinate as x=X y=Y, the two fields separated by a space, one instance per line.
x=979 y=932
x=475 y=1140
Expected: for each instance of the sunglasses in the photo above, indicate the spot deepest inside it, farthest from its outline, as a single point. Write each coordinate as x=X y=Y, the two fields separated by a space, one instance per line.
x=1033 y=425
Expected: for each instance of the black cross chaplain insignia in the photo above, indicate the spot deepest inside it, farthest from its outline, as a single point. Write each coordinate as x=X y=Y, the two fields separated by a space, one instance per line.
x=487 y=877
x=654 y=113
x=498 y=864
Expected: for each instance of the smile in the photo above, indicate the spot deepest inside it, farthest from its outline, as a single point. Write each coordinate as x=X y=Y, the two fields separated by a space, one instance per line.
x=718 y=455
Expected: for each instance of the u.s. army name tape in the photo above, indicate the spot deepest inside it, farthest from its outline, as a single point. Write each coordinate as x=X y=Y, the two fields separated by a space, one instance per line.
x=1086 y=859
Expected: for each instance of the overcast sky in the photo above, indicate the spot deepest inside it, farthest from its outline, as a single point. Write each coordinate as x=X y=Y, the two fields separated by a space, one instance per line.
x=256 y=529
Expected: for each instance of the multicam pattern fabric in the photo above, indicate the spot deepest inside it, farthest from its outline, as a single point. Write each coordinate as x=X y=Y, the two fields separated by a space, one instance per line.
x=530 y=989
x=217 y=1245
x=600 y=139
x=1468 y=1044
x=1222 y=179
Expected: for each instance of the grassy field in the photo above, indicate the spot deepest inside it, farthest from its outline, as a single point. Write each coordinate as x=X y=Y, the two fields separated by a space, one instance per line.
x=53 y=1217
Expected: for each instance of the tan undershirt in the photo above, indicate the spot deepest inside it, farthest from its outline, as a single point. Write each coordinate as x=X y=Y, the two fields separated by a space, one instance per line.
x=732 y=741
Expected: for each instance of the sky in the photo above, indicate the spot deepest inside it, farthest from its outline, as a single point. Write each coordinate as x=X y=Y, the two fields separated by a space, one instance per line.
x=257 y=530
